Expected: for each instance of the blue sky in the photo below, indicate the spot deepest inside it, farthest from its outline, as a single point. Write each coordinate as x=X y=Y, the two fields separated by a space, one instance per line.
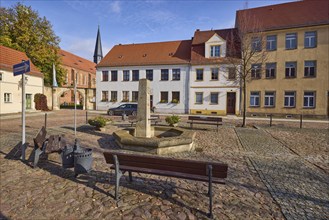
x=129 y=21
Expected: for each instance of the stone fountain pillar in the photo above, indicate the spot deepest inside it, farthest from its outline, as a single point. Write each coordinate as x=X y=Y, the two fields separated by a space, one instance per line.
x=143 y=125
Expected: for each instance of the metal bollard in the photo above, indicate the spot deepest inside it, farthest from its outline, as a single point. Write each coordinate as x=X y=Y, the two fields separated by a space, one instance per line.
x=46 y=120
x=271 y=120
x=301 y=121
x=86 y=117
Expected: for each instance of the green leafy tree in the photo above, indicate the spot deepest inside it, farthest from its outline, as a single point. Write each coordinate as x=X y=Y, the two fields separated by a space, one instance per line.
x=22 y=28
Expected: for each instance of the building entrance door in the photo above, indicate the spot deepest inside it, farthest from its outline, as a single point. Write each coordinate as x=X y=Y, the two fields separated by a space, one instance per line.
x=28 y=101
x=230 y=103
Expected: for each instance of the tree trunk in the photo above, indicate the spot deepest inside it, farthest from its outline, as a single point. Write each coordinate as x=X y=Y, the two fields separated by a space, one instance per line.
x=244 y=103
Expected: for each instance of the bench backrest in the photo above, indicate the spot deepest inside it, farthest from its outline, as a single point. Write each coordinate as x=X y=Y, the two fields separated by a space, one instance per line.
x=40 y=138
x=205 y=118
x=155 y=116
x=168 y=164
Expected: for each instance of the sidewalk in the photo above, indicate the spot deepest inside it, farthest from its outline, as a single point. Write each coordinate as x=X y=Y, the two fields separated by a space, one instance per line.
x=27 y=114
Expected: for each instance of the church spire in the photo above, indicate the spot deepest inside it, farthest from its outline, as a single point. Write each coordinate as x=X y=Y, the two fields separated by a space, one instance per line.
x=98 y=54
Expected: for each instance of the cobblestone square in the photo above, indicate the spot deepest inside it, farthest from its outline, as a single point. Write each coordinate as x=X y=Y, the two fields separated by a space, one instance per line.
x=278 y=172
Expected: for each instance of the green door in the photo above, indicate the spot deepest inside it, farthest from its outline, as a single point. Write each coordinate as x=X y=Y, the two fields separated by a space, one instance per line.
x=28 y=101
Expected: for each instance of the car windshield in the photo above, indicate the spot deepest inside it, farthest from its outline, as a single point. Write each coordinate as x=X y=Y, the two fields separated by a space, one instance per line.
x=122 y=106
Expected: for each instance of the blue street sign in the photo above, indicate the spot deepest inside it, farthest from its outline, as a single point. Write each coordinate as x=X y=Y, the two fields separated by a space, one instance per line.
x=20 y=68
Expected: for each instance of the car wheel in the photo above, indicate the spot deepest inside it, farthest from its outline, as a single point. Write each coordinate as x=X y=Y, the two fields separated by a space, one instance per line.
x=110 y=112
x=134 y=113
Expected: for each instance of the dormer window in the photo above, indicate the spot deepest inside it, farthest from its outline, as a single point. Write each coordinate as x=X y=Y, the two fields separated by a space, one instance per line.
x=215 y=51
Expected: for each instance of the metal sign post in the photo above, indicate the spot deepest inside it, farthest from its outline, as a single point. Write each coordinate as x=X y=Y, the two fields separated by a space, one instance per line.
x=21 y=69
x=75 y=105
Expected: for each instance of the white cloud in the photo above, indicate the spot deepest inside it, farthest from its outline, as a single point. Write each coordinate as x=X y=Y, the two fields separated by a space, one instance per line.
x=115 y=7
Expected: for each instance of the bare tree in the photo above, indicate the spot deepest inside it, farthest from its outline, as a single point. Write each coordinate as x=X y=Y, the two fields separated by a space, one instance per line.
x=247 y=52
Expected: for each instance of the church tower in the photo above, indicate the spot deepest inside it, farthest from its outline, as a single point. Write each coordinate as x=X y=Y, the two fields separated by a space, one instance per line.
x=98 y=54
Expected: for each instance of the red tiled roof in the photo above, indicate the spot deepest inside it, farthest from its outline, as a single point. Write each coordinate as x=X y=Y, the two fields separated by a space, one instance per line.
x=74 y=61
x=287 y=15
x=10 y=57
x=159 y=53
x=201 y=37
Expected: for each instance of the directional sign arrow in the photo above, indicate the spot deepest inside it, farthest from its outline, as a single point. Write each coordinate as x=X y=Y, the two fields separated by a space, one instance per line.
x=20 y=68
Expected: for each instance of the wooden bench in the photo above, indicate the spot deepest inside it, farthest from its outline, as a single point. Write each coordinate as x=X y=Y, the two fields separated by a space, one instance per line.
x=205 y=120
x=53 y=143
x=211 y=172
x=155 y=119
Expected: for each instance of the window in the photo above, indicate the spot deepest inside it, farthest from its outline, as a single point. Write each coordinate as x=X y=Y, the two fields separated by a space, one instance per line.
x=114 y=96
x=214 y=73
x=270 y=70
x=164 y=74
x=1 y=77
x=175 y=97
x=289 y=99
x=255 y=71
x=135 y=76
x=72 y=97
x=215 y=51
x=198 y=98
x=149 y=75
x=7 y=97
x=310 y=68
x=175 y=74
x=291 y=41
x=254 y=99
x=309 y=99
x=125 y=96
x=231 y=73
x=271 y=42
x=72 y=76
x=164 y=97
x=269 y=99
x=126 y=75
x=66 y=78
x=134 y=96
x=114 y=75
x=105 y=76
x=199 y=74
x=291 y=69
x=256 y=44
x=105 y=96
x=214 y=98
x=310 y=39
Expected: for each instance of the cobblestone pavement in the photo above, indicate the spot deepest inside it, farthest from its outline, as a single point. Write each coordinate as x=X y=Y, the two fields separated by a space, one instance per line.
x=300 y=188
x=50 y=192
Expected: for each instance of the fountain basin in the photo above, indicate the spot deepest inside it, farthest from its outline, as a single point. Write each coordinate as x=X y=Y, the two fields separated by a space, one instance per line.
x=164 y=140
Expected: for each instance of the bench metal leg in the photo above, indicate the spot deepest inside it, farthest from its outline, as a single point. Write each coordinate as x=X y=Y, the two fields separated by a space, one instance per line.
x=118 y=175
x=37 y=153
x=130 y=176
x=210 y=190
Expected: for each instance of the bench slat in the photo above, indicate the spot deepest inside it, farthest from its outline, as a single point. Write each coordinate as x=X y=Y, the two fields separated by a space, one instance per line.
x=205 y=118
x=169 y=174
x=40 y=138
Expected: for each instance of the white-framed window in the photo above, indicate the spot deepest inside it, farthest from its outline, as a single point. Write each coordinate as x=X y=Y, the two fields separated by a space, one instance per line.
x=271 y=42
x=269 y=100
x=126 y=75
x=175 y=97
x=256 y=44
x=114 y=75
x=164 y=74
x=198 y=97
x=125 y=96
x=310 y=68
x=176 y=74
x=270 y=70
x=105 y=96
x=149 y=74
x=291 y=41
x=310 y=40
x=114 y=96
x=291 y=69
x=164 y=97
x=231 y=73
x=199 y=74
x=289 y=99
x=134 y=96
x=214 y=73
x=254 y=99
x=105 y=75
x=255 y=71
x=309 y=99
x=7 y=97
x=135 y=76
x=214 y=98
x=215 y=51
